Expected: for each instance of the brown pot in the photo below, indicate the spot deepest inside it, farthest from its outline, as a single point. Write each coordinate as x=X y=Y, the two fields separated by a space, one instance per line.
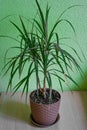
x=45 y=114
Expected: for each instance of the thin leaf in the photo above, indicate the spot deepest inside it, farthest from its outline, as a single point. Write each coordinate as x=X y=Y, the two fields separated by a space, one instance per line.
x=70 y=25
x=19 y=85
x=16 y=26
x=60 y=84
x=73 y=59
x=27 y=80
x=57 y=38
x=10 y=63
x=51 y=33
x=49 y=80
x=6 y=36
x=41 y=14
x=69 y=77
x=64 y=60
x=56 y=75
x=47 y=13
x=5 y=17
x=58 y=63
x=25 y=31
x=55 y=25
x=12 y=74
x=70 y=7
x=39 y=26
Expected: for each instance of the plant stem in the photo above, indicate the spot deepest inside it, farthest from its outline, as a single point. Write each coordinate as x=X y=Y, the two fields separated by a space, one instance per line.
x=50 y=94
x=44 y=87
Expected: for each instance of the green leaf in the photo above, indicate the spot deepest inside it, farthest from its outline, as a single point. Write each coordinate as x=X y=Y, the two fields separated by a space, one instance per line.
x=21 y=62
x=64 y=60
x=58 y=63
x=5 y=17
x=69 y=77
x=51 y=33
x=19 y=30
x=56 y=75
x=50 y=61
x=9 y=64
x=47 y=14
x=60 y=84
x=25 y=31
x=39 y=26
x=12 y=74
x=49 y=80
x=55 y=25
x=71 y=25
x=57 y=38
x=6 y=36
x=41 y=14
x=72 y=58
x=15 y=88
x=70 y=7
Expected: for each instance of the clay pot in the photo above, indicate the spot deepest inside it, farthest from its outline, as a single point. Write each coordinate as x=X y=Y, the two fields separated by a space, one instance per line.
x=45 y=114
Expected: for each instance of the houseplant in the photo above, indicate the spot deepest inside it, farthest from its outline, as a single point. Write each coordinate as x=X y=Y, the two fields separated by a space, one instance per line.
x=41 y=50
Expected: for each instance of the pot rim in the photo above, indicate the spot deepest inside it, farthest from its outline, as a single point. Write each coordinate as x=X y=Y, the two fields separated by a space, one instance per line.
x=42 y=103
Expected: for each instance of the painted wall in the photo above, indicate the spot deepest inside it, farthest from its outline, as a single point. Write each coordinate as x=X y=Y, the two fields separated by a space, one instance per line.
x=27 y=8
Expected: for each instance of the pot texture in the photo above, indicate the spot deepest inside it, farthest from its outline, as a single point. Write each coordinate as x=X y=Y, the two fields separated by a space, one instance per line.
x=45 y=114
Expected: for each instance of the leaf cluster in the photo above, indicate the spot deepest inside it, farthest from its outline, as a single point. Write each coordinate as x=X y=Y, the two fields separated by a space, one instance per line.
x=43 y=56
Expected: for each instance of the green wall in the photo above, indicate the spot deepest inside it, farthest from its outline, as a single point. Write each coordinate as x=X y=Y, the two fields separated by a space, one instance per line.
x=27 y=8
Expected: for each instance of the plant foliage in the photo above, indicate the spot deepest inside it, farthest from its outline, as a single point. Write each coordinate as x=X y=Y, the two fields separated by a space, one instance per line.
x=43 y=55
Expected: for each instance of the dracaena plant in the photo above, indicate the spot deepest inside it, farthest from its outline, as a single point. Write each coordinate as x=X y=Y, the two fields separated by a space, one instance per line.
x=40 y=49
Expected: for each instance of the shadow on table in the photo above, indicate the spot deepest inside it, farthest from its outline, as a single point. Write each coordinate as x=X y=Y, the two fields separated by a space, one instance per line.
x=17 y=110
x=83 y=93
x=83 y=97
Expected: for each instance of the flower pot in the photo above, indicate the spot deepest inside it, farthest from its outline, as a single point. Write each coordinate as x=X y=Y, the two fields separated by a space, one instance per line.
x=45 y=114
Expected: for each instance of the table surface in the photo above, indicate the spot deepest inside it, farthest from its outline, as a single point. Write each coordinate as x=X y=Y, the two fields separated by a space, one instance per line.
x=15 y=113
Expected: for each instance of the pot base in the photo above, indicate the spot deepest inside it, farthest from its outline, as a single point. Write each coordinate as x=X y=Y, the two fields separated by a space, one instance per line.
x=39 y=125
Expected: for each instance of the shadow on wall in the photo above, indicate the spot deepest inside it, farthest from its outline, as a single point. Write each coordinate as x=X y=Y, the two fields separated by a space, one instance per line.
x=83 y=84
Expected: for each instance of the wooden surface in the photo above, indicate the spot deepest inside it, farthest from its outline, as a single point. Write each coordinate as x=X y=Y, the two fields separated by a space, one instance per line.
x=15 y=113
